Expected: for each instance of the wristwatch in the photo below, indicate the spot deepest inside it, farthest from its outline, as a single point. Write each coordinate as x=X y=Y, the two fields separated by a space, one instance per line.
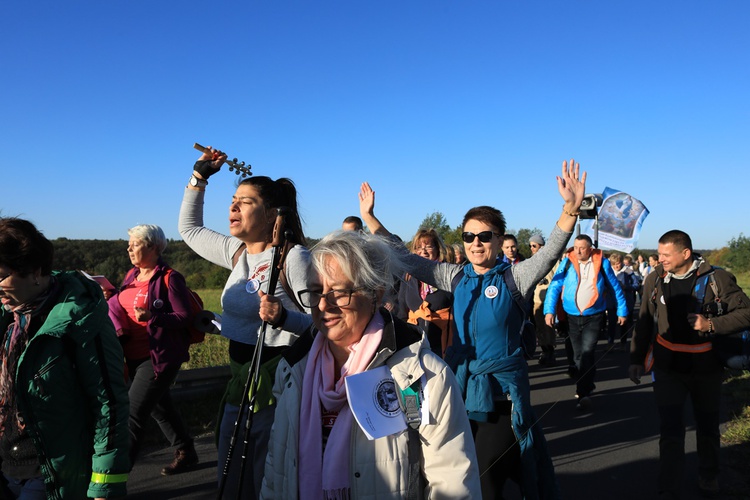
x=196 y=182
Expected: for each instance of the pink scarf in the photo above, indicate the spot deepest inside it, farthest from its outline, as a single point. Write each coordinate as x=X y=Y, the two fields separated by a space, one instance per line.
x=329 y=478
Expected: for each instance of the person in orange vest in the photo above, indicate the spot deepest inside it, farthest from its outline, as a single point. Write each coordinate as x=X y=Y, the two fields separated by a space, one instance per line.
x=583 y=279
x=674 y=329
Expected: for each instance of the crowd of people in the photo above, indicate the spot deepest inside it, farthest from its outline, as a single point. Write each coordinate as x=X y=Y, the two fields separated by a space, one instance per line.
x=437 y=329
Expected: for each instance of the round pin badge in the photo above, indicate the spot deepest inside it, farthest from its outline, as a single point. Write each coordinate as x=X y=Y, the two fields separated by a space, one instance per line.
x=491 y=292
x=158 y=304
x=252 y=286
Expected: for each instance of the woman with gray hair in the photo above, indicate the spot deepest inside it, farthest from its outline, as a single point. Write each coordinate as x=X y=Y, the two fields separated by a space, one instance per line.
x=317 y=450
x=151 y=312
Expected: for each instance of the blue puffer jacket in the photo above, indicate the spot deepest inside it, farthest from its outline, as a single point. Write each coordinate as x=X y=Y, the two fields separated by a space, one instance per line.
x=565 y=283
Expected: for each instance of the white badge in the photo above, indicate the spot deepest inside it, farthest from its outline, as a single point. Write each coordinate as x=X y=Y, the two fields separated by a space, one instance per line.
x=490 y=292
x=252 y=286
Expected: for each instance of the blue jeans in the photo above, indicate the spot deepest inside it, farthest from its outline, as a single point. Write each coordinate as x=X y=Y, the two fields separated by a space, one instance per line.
x=27 y=489
x=584 y=334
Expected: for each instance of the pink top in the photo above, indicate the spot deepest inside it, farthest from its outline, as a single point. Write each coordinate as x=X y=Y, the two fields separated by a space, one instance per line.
x=135 y=295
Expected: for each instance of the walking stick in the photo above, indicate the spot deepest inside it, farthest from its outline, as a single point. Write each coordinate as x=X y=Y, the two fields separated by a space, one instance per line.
x=253 y=374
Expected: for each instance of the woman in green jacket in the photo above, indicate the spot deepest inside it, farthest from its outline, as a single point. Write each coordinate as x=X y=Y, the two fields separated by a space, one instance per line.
x=63 y=400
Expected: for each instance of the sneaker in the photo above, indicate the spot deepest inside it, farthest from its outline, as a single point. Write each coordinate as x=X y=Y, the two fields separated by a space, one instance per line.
x=584 y=403
x=184 y=460
x=708 y=487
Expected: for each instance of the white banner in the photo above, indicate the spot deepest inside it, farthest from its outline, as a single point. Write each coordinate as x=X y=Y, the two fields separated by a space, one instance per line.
x=620 y=219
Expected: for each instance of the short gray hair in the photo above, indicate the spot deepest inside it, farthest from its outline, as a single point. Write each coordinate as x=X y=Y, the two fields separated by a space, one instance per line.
x=150 y=234
x=369 y=261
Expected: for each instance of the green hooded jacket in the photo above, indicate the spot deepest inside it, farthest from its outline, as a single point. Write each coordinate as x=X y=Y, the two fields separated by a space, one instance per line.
x=72 y=396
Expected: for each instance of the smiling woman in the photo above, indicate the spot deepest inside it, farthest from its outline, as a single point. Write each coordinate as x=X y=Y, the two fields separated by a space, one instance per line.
x=317 y=450
x=486 y=351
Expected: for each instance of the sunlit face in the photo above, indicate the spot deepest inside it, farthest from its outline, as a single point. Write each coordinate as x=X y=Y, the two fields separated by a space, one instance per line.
x=141 y=254
x=248 y=217
x=481 y=255
x=342 y=325
x=653 y=262
x=582 y=250
x=17 y=288
x=616 y=266
x=427 y=248
x=673 y=259
x=349 y=226
x=510 y=249
x=534 y=247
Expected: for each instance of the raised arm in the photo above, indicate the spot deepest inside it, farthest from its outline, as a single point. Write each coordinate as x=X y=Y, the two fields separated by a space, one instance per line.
x=572 y=187
x=367 y=210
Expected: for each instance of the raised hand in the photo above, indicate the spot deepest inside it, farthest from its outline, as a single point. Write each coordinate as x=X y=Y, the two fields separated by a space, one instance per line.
x=571 y=185
x=210 y=162
x=367 y=210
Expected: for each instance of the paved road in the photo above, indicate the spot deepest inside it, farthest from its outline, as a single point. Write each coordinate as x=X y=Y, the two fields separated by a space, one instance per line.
x=610 y=453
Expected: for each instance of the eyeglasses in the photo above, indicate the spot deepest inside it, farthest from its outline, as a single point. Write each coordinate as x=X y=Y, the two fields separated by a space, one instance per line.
x=335 y=298
x=426 y=248
x=484 y=236
x=534 y=245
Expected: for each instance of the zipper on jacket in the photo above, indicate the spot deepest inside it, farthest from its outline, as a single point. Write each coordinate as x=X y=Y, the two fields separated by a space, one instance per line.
x=38 y=375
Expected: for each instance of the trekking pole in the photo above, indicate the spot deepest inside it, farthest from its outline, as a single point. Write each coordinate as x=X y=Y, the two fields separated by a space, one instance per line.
x=253 y=374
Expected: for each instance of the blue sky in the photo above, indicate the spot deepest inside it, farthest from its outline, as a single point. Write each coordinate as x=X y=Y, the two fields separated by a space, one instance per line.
x=440 y=105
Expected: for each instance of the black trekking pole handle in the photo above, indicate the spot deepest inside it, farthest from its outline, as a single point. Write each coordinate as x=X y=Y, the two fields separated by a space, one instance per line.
x=253 y=374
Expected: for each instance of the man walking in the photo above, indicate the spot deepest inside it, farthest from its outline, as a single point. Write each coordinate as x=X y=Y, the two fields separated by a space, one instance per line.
x=676 y=324
x=583 y=279
x=545 y=334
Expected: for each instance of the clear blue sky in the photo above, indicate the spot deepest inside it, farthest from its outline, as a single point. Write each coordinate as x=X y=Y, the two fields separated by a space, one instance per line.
x=441 y=105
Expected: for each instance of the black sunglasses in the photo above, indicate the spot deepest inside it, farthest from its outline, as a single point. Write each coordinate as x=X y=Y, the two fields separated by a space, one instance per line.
x=484 y=236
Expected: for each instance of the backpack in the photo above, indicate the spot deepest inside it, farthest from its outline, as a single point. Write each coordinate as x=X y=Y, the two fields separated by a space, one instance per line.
x=733 y=350
x=195 y=335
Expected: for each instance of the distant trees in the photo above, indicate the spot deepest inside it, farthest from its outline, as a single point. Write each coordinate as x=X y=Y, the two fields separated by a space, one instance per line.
x=110 y=258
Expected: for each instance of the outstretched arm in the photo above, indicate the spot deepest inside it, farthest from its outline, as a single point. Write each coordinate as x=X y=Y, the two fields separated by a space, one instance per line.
x=572 y=187
x=367 y=210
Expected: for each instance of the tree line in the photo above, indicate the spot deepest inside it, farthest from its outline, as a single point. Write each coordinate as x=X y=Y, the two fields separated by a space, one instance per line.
x=109 y=257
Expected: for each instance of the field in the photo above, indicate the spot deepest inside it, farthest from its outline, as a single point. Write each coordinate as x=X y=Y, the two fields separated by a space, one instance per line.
x=214 y=351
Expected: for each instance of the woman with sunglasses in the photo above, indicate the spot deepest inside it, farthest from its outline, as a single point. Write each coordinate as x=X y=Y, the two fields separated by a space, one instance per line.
x=486 y=353
x=246 y=302
x=422 y=304
x=317 y=448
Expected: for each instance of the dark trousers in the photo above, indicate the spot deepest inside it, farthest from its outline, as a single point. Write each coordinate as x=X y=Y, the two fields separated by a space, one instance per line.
x=671 y=390
x=584 y=334
x=498 y=452
x=149 y=396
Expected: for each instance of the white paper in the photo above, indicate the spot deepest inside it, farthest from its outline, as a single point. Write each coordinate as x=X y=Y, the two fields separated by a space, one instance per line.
x=374 y=401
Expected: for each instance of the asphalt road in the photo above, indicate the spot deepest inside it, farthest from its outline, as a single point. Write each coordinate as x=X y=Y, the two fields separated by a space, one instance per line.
x=609 y=453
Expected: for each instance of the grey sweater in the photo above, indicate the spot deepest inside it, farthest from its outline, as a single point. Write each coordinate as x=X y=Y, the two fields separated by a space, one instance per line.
x=240 y=319
x=526 y=273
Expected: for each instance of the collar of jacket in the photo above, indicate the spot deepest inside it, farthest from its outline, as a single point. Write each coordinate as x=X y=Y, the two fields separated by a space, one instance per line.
x=396 y=335
x=499 y=269
x=161 y=267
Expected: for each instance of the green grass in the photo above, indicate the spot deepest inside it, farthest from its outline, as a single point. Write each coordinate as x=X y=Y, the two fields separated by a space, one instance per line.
x=737 y=396
x=214 y=351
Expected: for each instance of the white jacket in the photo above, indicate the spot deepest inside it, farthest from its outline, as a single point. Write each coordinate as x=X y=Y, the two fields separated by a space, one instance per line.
x=379 y=468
